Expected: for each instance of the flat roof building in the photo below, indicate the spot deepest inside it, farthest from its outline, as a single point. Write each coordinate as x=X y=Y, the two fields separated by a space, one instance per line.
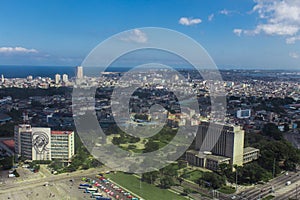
x=223 y=140
x=218 y=143
x=32 y=143
x=62 y=147
x=39 y=143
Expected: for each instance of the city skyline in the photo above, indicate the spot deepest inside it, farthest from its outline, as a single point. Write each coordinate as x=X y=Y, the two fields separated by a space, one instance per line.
x=252 y=34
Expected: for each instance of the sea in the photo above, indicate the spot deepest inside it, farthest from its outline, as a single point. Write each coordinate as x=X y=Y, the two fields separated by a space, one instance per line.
x=10 y=71
x=50 y=71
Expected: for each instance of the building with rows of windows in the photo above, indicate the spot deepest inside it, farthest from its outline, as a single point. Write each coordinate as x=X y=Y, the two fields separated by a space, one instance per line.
x=38 y=143
x=220 y=143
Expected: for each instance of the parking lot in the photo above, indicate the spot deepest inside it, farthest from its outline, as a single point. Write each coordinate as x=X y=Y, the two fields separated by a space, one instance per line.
x=25 y=174
x=60 y=190
x=108 y=188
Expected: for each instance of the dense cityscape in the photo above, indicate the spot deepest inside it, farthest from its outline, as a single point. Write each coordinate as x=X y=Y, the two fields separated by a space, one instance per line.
x=150 y=100
x=259 y=135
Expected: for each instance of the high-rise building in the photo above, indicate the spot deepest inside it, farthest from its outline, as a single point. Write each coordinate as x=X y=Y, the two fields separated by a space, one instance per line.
x=79 y=72
x=2 y=78
x=62 y=147
x=57 y=78
x=33 y=143
x=38 y=143
x=226 y=140
x=29 y=78
x=23 y=141
x=65 y=78
x=220 y=143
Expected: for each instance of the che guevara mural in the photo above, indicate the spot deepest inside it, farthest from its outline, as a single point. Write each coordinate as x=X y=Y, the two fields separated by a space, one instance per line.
x=41 y=143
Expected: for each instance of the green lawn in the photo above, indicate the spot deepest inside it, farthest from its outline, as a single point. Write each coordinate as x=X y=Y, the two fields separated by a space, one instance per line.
x=269 y=197
x=194 y=175
x=146 y=191
x=227 y=190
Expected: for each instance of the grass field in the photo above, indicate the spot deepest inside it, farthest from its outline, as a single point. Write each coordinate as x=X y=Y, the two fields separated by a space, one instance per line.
x=269 y=197
x=146 y=191
x=194 y=175
x=227 y=190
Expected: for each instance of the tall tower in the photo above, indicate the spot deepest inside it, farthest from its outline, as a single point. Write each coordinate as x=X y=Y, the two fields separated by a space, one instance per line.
x=227 y=140
x=79 y=72
x=57 y=78
x=2 y=78
x=65 y=78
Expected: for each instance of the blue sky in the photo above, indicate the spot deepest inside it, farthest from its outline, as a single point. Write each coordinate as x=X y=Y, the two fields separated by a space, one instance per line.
x=237 y=34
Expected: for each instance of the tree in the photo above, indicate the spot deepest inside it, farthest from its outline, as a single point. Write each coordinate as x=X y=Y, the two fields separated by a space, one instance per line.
x=6 y=163
x=166 y=182
x=253 y=173
x=272 y=131
x=213 y=180
x=116 y=140
x=150 y=177
x=151 y=146
x=170 y=170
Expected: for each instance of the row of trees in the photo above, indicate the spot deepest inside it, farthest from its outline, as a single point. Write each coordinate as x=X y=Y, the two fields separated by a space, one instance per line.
x=276 y=154
x=23 y=93
x=165 y=177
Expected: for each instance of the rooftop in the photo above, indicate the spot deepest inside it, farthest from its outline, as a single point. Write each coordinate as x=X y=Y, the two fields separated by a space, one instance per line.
x=9 y=143
x=217 y=158
x=208 y=155
x=250 y=149
x=61 y=132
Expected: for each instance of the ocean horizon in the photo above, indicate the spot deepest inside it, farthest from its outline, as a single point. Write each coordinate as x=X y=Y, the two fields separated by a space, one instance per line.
x=22 y=71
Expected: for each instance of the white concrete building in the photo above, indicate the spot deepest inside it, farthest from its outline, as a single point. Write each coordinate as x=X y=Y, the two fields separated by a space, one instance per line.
x=57 y=78
x=38 y=143
x=62 y=147
x=33 y=143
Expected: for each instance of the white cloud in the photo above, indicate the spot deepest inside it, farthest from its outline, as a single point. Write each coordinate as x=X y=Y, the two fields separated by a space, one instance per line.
x=189 y=21
x=136 y=36
x=17 y=50
x=294 y=55
x=225 y=12
x=277 y=29
x=292 y=40
x=237 y=31
x=211 y=17
x=277 y=17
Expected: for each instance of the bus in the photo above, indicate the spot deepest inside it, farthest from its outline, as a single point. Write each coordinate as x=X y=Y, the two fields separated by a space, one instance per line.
x=103 y=198
x=96 y=194
x=91 y=190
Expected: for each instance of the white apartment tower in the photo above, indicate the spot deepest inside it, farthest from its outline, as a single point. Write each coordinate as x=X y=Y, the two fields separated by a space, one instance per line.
x=57 y=78
x=65 y=78
x=79 y=72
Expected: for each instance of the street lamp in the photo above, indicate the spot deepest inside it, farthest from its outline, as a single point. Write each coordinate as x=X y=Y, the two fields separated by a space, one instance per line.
x=297 y=191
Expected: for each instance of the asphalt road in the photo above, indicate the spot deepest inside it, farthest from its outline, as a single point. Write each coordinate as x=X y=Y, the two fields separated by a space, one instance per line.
x=278 y=185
